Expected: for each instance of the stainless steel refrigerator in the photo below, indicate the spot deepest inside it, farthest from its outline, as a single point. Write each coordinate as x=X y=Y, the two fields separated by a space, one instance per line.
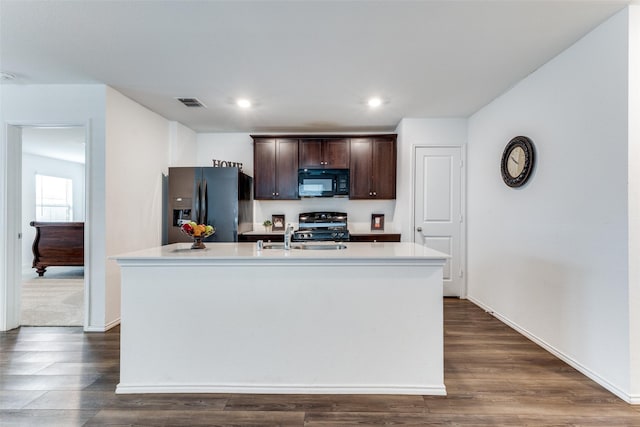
x=222 y=197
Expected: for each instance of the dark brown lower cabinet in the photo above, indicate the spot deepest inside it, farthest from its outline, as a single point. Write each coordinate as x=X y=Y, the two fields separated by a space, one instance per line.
x=373 y=237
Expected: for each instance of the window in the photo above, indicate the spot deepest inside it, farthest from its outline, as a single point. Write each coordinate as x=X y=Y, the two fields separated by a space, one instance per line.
x=54 y=198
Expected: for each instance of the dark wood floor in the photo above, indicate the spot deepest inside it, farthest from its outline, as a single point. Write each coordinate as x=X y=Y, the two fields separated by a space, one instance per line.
x=64 y=377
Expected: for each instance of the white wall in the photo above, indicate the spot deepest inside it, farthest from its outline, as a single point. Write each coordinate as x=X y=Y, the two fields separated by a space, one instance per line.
x=420 y=132
x=82 y=105
x=551 y=258
x=183 y=146
x=234 y=147
x=137 y=155
x=128 y=151
x=634 y=199
x=32 y=165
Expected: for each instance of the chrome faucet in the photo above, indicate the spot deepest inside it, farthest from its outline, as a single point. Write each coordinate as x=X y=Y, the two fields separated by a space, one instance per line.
x=288 y=234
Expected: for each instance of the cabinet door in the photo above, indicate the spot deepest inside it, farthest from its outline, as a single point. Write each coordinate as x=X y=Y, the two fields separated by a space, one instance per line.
x=264 y=168
x=286 y=169
x=360 y=168
x=310 y=153
x=336 y=154
x=384 y=169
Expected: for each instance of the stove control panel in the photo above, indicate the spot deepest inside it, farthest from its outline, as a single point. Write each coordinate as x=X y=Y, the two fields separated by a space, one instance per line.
x=320 y=235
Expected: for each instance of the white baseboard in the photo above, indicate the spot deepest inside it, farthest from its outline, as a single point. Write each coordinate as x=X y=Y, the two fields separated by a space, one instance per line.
x=104 y=328
x=112 y=324
x=438 y=390
x=574 y=363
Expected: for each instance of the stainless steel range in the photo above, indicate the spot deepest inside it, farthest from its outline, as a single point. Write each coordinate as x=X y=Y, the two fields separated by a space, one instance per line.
x=321 y=226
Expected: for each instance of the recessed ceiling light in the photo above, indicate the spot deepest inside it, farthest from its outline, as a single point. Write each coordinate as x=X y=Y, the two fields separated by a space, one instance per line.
x=243 y=103
x=374 y=102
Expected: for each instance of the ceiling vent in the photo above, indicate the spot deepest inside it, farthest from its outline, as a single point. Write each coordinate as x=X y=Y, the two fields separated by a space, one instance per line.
x=191 y=102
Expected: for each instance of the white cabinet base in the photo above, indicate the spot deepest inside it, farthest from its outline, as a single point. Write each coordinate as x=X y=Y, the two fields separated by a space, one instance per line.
x=282 y=325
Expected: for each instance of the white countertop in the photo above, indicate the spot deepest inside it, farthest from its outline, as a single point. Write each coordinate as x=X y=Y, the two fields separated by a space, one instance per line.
x=247 y=252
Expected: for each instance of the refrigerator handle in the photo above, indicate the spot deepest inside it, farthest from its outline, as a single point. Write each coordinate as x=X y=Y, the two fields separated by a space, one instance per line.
x=198 y=197
x=205 y=205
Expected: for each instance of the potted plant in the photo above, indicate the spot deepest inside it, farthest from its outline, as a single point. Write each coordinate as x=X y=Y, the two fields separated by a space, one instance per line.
x=267 y=225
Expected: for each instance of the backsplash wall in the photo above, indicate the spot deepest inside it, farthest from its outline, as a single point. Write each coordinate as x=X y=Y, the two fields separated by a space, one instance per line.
x=358 y=211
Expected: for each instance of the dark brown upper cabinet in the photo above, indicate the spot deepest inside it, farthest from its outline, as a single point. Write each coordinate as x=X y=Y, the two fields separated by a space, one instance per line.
x=275 y=168
x=371 y=160
x=373 y=168
x=324 y=153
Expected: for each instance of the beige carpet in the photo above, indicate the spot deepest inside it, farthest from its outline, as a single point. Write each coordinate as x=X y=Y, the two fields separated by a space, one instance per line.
x=56 y=299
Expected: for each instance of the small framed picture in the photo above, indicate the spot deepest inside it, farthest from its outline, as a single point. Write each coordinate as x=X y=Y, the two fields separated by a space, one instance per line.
x=278 y=222
x=377 y=222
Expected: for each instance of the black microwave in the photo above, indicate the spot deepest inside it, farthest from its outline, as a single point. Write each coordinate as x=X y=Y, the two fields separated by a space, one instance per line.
x=323 y=182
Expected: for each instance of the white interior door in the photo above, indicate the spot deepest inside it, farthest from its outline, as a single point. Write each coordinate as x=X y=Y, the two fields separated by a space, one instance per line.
x=438 y=215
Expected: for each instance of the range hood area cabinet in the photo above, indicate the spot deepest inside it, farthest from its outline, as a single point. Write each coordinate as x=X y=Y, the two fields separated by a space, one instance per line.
x=373 y=168
x=324 y=153
x=275 y=168
x=371 y=160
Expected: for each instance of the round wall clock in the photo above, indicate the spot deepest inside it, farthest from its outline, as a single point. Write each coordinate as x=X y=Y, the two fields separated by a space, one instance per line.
x=518 y=160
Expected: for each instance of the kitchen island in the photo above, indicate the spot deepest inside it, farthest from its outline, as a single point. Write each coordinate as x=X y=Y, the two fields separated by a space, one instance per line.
x=234 y=319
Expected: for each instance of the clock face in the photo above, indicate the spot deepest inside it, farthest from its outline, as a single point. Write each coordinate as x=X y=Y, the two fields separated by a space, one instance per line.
x=517 y=161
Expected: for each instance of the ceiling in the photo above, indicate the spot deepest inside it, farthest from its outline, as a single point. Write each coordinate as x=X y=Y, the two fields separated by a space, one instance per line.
x=306 y=65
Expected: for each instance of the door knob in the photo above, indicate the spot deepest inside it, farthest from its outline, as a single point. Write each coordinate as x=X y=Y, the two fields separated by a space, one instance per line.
x=419 y=229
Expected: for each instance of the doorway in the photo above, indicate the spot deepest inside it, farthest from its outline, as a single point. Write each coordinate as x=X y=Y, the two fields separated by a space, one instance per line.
x=439 y=209
x=53 y=190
